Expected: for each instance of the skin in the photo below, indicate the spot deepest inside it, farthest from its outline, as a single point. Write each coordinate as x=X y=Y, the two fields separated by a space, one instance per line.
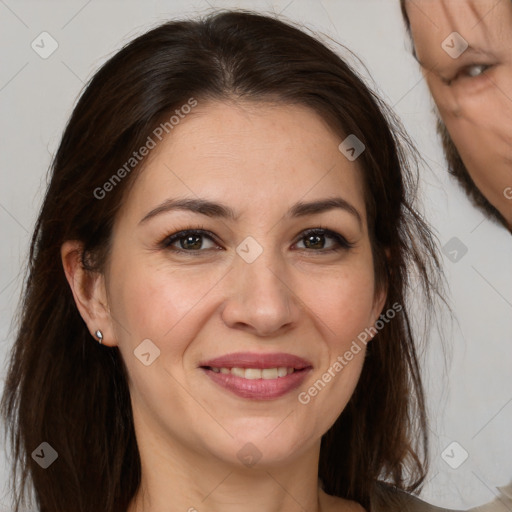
x=258 y=159
x=472 y=91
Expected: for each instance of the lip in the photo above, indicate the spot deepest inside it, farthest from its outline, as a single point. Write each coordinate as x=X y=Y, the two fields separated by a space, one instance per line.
x=258 y=389
x=255 y=360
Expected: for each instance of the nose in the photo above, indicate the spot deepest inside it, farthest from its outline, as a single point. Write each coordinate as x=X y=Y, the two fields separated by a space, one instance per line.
x=259 y=297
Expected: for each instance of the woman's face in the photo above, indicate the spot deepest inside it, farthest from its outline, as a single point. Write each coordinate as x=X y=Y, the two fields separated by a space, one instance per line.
x=253 y=282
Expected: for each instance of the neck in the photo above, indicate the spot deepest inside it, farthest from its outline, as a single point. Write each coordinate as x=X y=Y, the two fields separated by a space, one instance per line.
x=229 y=494
x=177 y=477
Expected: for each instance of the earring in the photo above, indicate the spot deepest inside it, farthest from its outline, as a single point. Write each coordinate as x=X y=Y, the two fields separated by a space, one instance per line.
x=99 y=335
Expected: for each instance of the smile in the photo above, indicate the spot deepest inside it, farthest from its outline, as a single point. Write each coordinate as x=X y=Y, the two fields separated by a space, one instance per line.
x=257 y=376
x=256 y=373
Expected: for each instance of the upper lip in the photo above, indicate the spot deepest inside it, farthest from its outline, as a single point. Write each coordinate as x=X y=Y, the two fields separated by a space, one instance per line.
x=255 y=360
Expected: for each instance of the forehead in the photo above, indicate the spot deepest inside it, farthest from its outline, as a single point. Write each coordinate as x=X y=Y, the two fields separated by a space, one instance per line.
x=257 y=156
x=486 y=25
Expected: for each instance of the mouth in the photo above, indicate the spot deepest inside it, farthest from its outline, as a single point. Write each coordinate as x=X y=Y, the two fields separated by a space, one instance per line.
x=255 y=373
x=257 y=376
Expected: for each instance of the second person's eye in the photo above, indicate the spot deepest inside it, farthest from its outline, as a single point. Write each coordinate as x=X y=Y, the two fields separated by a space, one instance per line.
x=471 y=71
x=476 y=69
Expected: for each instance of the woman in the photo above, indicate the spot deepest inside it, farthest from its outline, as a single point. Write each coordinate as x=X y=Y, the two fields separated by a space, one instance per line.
x=215 y=316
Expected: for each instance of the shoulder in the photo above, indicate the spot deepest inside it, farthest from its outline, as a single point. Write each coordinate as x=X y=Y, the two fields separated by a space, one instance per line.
x=385 y=498
x=329 y=503
x=390 y=499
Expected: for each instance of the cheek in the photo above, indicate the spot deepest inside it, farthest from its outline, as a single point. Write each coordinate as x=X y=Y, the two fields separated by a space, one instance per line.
x=481 y=137
x=343 y=309
x=343 y=300
x=487 y=112
x=483 y=143
x=154 y=300
x=477 y=107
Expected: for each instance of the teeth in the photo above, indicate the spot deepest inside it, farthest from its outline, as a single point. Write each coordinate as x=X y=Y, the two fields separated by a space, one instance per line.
x=251 y=373
x=269 y=373
x=256 y=373
x=282 y=371
x=238 y=372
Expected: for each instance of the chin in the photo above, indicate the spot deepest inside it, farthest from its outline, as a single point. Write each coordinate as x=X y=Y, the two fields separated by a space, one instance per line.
x=265 y=453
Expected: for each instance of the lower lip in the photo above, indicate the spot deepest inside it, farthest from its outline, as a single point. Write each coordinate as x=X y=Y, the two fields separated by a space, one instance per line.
x=258 y=389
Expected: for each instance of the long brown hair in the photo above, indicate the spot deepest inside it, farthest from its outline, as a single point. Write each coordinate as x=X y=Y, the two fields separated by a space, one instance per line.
x=65 y=389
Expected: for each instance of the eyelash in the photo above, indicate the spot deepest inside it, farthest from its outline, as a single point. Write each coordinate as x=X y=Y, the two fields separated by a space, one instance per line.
x=166 y=243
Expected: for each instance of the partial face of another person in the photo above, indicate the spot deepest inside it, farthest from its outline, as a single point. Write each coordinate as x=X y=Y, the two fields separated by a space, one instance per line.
x=258 y=282
x=470 y=77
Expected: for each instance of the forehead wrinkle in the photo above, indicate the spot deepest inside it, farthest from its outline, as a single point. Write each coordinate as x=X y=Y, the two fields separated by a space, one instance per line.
x=452 y=14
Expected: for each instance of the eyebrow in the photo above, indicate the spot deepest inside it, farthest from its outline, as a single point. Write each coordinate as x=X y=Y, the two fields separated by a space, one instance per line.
x=472 y=51
x=475 y=52
x=218 y=210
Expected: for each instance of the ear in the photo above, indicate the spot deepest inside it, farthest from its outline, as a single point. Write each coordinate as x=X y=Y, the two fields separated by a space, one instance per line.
x=89 y=292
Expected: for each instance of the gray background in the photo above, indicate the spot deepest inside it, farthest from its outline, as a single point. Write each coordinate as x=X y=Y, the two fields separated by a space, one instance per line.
x=469 y=381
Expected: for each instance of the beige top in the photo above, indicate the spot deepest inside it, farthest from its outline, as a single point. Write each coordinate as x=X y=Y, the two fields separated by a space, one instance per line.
x=389 y=500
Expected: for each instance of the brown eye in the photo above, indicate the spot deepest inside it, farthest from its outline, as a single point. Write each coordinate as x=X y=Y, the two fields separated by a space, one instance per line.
x=189 y=241
x=315 y=240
